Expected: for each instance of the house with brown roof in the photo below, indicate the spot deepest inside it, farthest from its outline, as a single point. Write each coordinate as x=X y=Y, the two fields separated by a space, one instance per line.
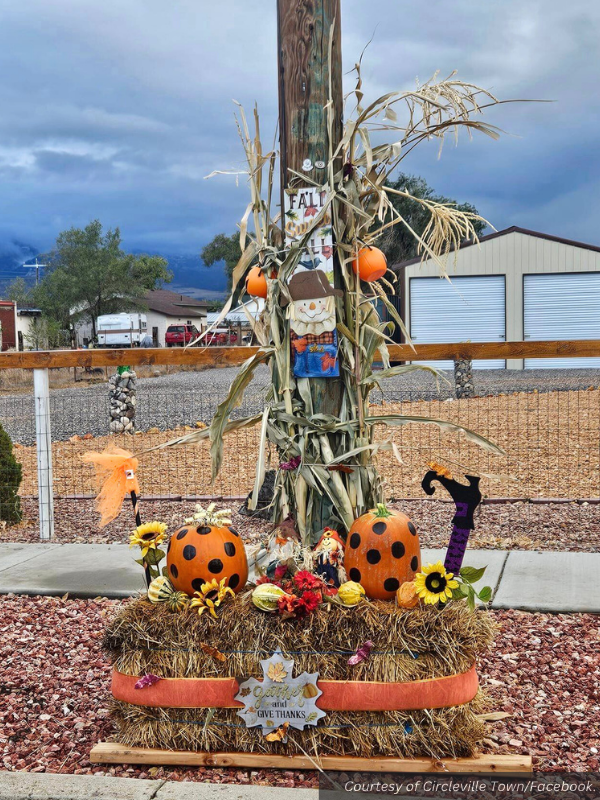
x=171 y=308
x=164 y=308
x=515 y=285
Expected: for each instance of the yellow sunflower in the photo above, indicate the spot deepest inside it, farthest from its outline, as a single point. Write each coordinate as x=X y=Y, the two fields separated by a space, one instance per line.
x=148 y=536
x=434 y=584
x=210 y=596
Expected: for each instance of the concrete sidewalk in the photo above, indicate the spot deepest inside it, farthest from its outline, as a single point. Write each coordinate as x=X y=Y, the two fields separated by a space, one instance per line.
x=28 y=786
x=524 y=579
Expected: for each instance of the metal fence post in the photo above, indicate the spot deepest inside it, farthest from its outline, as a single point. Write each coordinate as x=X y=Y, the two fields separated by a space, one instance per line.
x=41 y=391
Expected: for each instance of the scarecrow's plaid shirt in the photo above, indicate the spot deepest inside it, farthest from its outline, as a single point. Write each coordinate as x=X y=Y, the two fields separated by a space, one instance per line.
x=310 y=338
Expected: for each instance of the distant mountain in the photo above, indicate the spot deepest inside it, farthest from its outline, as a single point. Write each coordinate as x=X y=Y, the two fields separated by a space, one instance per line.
x=190 y=275
x=193 y=278
x=13 y=254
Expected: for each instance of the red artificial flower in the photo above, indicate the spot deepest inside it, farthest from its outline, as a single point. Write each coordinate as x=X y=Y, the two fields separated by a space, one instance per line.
x=306 y=580
x=266 y=579
x=311 y=601
x=280 y=571
x=288 y=605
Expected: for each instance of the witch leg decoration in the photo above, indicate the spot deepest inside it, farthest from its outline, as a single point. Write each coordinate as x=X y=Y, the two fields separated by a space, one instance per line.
x=466 y=499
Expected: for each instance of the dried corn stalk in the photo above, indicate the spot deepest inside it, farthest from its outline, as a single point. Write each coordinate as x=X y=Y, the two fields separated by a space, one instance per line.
x=361 y=209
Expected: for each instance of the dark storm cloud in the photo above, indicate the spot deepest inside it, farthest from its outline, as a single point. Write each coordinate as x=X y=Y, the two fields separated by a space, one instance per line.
x=118 y=110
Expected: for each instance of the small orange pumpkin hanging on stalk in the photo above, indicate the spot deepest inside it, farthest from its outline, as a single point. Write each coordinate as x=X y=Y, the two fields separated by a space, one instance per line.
x=370 y=264
x=382 y=552
x=206 y=547
x=256 y=283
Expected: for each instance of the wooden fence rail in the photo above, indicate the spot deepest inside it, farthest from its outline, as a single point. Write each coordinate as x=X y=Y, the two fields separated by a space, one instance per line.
x=41 y=361
x=233 y=356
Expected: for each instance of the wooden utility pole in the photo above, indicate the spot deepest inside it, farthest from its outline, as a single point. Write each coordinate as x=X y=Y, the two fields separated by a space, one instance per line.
x=307 y=75
x=304 y=29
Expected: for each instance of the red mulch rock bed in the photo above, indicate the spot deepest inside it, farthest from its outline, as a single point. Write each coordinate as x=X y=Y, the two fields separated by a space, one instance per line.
x=518 y=526
x=54 y=682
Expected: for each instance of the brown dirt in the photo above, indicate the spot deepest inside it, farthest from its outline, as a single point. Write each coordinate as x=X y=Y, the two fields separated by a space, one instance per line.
x=551 y=440
x=519 y=526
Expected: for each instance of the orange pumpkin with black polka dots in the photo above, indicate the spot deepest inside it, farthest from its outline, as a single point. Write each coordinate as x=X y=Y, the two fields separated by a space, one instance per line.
x=382 y=552
x=199 y=552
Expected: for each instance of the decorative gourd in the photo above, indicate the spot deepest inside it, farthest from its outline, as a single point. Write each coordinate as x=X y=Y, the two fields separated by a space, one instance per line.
x=350 y=593
x=256 y=283
x=266 y=596
x=161 y=591
x=370 y=265
x=382 y=552
x=206 y=547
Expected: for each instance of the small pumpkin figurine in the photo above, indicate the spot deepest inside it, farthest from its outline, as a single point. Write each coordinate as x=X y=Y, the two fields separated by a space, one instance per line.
x=256 y=283
x=382 y=552
x=206 y=547
x=370 y=264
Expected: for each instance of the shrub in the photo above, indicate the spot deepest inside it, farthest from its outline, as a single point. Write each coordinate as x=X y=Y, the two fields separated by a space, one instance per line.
x=10 y=480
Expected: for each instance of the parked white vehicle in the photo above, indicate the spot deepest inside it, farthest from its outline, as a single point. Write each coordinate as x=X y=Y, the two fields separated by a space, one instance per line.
x=120 y=330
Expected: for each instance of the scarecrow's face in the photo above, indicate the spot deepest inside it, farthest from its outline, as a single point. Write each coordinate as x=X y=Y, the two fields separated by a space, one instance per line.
x=316 y=310
x=327 y=545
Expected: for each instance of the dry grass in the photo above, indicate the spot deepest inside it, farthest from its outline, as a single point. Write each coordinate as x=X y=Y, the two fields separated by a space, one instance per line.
x=408 y=645
x=552 y=442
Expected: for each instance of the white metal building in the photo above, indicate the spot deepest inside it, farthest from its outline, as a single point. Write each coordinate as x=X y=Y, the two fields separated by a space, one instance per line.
x=516 y=285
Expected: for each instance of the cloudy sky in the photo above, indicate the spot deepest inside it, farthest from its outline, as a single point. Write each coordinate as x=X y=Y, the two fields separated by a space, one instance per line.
x=118 y=109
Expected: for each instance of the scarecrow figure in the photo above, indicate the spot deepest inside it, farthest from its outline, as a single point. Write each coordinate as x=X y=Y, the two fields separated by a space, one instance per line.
x=312 y=322
x=329 y=558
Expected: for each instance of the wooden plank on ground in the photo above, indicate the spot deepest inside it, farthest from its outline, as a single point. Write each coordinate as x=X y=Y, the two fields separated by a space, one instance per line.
x=233 y=356
x=112 y=753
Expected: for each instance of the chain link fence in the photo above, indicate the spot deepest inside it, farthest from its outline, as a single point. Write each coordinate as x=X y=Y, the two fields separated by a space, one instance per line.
x=551 y=441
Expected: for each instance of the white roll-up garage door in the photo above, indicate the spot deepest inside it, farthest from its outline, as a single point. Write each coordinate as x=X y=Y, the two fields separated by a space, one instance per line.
x=467 y=309
x=561 y=306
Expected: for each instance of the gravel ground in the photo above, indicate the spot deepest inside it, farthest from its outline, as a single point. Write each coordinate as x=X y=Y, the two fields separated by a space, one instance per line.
x=518 y=526
x=543 y=672
x=186 y=397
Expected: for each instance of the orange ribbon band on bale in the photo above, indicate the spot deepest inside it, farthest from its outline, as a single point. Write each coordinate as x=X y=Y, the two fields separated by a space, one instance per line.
x=454 y=690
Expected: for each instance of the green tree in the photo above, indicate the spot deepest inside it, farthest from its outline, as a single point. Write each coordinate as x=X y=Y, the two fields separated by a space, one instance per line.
x=223 y=249
x=46 y=334
x=397 y=242
x=20 y=292
x=90 y=275
x=10 y=480
x=213 y=306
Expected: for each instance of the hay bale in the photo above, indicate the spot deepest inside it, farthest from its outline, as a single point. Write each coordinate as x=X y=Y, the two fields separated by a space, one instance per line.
x=416 y=644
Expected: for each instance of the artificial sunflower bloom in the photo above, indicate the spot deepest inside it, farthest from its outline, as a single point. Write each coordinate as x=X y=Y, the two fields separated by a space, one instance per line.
x=210 y=596
x=434 y=584
x=148 y=536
